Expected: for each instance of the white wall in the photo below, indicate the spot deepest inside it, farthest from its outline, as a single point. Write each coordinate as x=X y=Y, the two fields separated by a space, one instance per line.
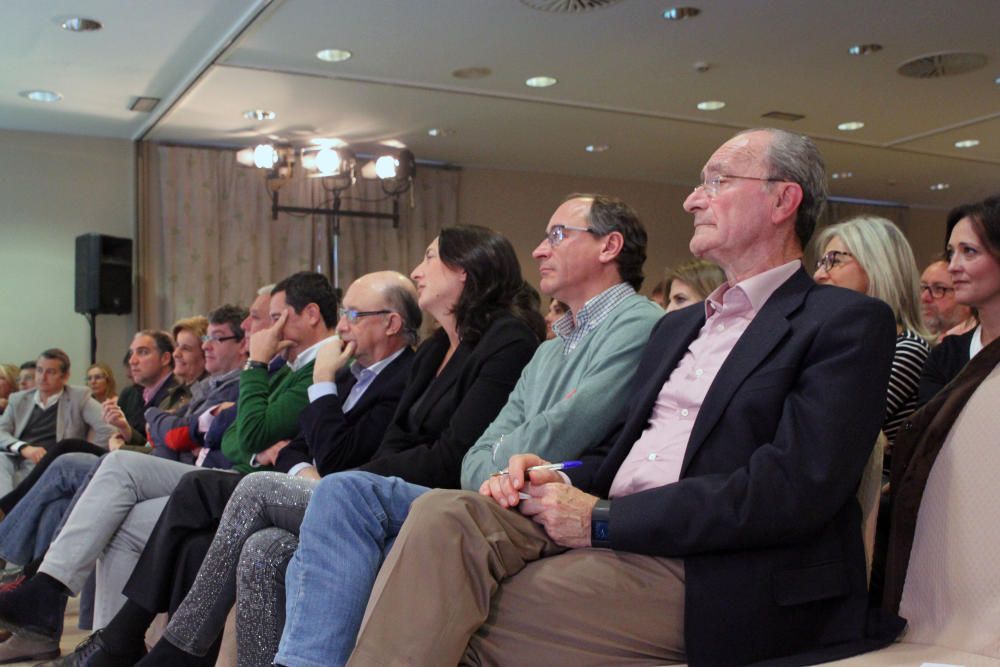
x=52 y=189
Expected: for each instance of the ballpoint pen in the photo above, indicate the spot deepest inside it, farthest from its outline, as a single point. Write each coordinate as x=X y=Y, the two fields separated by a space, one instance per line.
x=546 y=466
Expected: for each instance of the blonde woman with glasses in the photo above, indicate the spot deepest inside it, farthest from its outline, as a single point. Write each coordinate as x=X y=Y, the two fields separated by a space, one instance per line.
x=870 y=255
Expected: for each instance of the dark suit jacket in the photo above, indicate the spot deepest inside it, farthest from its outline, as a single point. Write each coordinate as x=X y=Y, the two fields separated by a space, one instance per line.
x=764 y=514
x=427 y=447
x=338 y=441
x=944 y=363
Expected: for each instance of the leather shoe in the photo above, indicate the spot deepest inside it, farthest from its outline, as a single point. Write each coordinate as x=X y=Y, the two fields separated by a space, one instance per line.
x=92 y=652
x=21 y=647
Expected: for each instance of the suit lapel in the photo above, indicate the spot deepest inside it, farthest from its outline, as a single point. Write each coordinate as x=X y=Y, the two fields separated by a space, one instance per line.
x=24 y=409
x=768 y=328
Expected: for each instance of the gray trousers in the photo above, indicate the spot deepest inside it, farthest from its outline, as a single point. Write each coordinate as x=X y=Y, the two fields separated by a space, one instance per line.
x=13 y=469
x=110 y=524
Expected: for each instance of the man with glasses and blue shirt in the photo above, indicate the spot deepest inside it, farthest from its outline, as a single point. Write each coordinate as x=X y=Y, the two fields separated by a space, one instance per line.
x=720 y=526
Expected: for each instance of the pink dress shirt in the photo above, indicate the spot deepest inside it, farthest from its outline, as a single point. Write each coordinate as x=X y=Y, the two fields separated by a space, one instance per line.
x=656 y=457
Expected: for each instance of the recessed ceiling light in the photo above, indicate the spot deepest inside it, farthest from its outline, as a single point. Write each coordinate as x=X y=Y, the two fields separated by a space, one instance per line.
x=80 y=24
x=41 y=95
x=334 y=55
x=259 y=114
x=940 y=186
x=851 y=126
x=967 y=143
x=440 y=132
x=680 y=13
x=864 y=49
x=393 y=143
x=472 y=73
x=841 y=175
x=541 y=81
x=597 y=148
x=711 y=105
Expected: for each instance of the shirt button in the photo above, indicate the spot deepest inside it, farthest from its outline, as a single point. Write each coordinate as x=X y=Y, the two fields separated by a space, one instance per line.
x=651 y=457
x=720 y=327
x=699 y=372
x=684 y=412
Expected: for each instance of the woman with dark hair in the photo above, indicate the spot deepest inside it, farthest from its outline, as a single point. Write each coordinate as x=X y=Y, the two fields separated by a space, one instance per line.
x=974 y=265
x=470 y=282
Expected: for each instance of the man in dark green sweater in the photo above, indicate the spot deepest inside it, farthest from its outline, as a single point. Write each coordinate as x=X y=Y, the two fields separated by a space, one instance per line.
x=303 y=310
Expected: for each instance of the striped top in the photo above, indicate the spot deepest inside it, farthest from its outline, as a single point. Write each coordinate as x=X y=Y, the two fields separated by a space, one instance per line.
x=904 y=379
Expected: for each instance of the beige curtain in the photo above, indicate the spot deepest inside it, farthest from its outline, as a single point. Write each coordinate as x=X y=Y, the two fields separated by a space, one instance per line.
x=206 y=236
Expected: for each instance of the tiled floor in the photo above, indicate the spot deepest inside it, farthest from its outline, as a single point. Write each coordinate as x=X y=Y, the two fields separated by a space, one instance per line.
x=71 y=635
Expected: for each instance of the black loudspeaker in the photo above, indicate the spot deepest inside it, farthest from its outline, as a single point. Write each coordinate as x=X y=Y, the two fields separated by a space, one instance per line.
x=103 y=274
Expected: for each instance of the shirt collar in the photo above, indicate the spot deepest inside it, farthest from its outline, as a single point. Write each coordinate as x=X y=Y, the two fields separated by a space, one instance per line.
x=753 y=291
x=593 y=311
x=376 y=368
x=307 y=355
x=48 y=403
x=149 y=393
x=218 y=380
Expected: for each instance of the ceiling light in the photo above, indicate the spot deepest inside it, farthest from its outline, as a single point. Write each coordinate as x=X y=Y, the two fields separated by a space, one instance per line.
x=541 y=81
x=329 y=142
x=472 y=73
x=265 y=156
x=967 y=143
x=680 y=13
x=711 y=105
x=400 y=166
x=334 y=55
x=440 y=132
x=841 y=175
x=851 y=126
x=259 y=114
x=597 y=148
x=864 y=49
x=41 y=95
x=940 y=186
x=80 y=24
x=393 y=143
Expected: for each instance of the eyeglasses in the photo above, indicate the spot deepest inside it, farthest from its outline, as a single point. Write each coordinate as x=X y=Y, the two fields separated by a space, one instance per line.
x=937 y=291
x=219 y=339
x=101 y=376
x=831 y=259
x=711 y=185
x=354 y=315
x=556 y=235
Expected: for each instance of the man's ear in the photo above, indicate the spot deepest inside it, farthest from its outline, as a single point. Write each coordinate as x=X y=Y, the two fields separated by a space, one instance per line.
x=789 y=196
x=394 y=324
x=312 y=313
x=611 y=247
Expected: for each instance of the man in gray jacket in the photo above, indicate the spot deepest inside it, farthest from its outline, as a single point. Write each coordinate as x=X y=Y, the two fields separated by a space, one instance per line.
x=39 y=418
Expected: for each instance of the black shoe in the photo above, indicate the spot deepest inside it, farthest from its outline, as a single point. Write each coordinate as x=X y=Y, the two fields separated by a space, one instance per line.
x=92 y=652
x=33 y=608
x=165 y=654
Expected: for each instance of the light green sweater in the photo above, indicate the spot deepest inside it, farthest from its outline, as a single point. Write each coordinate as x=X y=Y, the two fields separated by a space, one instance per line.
x=565 y=404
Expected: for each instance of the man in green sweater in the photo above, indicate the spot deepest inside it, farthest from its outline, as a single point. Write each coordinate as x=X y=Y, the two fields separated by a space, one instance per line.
x=303 y=310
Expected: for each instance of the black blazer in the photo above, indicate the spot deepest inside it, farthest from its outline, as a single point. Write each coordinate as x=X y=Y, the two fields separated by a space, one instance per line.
x=427 y=447
x=764 y=514
x=338 y=441
x=943 y=363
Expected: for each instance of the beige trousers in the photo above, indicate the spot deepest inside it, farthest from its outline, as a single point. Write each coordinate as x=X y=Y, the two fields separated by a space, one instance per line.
x=469 y=582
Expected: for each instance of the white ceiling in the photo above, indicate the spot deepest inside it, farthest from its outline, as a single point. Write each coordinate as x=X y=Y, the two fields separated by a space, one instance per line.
x=626 y=79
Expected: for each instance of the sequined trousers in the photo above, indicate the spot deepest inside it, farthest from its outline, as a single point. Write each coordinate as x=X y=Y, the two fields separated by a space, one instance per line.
x=257 y=535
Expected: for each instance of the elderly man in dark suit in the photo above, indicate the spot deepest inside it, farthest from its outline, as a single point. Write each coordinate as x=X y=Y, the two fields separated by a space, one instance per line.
x=38 y=418
x=720 y=527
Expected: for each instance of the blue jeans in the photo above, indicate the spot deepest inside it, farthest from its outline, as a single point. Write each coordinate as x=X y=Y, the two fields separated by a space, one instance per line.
x=349 y=527
x=25 y=534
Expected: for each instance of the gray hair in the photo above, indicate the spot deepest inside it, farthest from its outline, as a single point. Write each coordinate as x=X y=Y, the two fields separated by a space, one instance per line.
x=266 y=290
x=882 y=251
x=401 y=301
x=795 y=158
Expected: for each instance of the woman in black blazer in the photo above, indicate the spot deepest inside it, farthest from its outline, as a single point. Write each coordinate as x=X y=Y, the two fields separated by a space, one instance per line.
x=470 y=282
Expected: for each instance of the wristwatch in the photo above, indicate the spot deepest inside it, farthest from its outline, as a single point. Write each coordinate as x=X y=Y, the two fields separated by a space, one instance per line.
x=600 y=525
x=254 y=364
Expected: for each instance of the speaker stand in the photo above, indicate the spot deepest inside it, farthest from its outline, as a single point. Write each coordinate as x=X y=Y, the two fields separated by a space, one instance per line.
x=92 y=320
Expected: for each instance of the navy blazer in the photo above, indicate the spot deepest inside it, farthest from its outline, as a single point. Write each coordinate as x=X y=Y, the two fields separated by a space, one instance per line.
x=764 y=514
x=336 y=440
x=427 y=447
